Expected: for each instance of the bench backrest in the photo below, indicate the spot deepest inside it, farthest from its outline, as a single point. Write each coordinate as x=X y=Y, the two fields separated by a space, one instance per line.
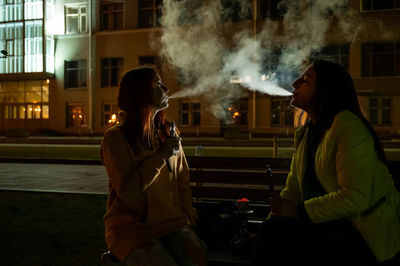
x=234 y=178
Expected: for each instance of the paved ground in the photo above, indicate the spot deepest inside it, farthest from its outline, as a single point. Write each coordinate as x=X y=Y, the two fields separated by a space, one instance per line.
x=54 y=177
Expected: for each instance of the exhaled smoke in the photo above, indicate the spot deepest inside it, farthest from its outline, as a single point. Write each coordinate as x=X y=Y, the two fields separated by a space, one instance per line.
x=198 y=43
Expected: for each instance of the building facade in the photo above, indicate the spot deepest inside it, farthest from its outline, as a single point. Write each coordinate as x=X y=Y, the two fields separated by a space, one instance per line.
x=61 y=62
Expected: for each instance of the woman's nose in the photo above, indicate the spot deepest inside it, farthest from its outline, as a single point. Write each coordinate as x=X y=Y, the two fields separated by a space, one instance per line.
x=296 y=84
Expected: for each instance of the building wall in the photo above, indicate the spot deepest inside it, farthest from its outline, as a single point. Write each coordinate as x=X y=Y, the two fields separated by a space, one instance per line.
x=131 y=41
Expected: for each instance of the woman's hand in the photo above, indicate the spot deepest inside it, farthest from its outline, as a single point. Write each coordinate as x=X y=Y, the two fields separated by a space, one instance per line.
x=169 y=147
x=282 y=207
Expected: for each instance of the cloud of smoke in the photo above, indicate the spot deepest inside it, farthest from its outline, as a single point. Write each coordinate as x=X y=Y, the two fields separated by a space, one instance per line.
x=194 y=41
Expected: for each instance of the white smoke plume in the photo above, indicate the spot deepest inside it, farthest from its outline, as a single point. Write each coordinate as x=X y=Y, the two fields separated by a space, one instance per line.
x=199 y=45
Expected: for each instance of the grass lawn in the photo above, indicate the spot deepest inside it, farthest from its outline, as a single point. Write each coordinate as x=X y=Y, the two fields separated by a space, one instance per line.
x=51 y=228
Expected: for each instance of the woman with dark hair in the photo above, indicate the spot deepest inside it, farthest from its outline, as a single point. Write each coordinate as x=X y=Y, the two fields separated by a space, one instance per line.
x=149 y=207
x=340 y=205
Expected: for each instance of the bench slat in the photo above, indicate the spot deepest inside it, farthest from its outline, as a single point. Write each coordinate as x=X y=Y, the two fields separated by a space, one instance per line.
x=230 y=193
x=236 y=177
x=237 y=163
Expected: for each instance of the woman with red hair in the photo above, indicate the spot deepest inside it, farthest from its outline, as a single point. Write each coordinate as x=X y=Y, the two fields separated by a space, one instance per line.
x=149 y=207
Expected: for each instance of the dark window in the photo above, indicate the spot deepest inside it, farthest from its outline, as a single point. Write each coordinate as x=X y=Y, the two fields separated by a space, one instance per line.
x=190 y=114
x=236 y=10
x=74 y=74
x=147 y=60
x=75 y=115
x=186 y=77
x=270 y=60
x=196 y=113
x=149 y=13
x=110 y=71
x=281 y=112
x=271 y=8
x=112 y=16
x=380 y=59
x=336 y=53
x=192 y=12
x=380 y=4
x=380 y=110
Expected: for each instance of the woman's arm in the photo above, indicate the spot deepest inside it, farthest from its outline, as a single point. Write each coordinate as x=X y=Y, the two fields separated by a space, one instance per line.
x=184 y=189
x=355 y=161
x=126 y=178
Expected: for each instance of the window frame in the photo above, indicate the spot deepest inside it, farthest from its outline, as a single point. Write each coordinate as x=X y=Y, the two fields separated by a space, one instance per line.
x=368 y=57
x=284 y=107
x=67 y=120
x=113 y=110
x=109 y=69
x=339 y=55
x=154 y=8
x=362 y=9
x=81 y=76
x=112 y=14
x=190 y=113
x=79 y=15
x=379 y=110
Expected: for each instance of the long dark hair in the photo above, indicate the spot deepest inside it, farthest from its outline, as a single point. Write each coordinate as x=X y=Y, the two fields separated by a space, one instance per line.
x=335 y=92
x=134 y=99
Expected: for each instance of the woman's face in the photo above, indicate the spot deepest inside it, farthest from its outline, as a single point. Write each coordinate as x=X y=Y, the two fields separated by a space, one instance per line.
x=305 y=90
x=158 y=96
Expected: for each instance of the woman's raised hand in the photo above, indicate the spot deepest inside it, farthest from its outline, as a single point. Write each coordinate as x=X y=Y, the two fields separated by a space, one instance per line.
x=169 y=147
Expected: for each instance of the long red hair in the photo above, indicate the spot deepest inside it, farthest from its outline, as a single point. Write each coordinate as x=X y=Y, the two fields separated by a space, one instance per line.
x=134 y=98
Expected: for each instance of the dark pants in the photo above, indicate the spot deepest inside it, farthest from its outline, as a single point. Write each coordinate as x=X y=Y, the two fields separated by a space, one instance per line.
x=284 y=241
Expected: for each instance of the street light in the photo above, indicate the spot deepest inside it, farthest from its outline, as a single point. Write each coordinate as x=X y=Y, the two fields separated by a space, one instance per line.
x=4 y=53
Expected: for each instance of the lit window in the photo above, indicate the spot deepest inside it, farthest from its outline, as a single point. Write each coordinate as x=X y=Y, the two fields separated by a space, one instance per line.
x=110 y=71
x=380 y=111
x=112 y=15
x=110 y=114
x=75 y=74
x=281 y=112
x=76 y=18
x=75 y=115
x=237 y=112
x=149 y=13
x=380 y=59
x=190 y=114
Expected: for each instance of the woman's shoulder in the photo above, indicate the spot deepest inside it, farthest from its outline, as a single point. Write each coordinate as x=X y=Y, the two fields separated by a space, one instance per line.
x=114 y=132
x=349 y=123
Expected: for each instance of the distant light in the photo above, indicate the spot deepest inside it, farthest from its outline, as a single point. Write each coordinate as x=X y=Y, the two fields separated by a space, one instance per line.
x=236 y=79
x=236 y=114
x=47 y=81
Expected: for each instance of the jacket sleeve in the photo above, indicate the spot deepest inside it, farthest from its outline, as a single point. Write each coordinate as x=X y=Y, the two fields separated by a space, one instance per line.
x=292 y=190
x=184 y=188
x=126 y=177
x=355 y=159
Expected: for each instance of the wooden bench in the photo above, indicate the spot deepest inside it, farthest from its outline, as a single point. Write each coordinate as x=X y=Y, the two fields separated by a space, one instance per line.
x=218 y=182
x=217 y=185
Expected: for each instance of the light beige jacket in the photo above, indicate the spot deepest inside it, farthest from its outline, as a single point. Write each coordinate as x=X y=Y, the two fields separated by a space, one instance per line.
x=347 y=167
x=145 y=200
